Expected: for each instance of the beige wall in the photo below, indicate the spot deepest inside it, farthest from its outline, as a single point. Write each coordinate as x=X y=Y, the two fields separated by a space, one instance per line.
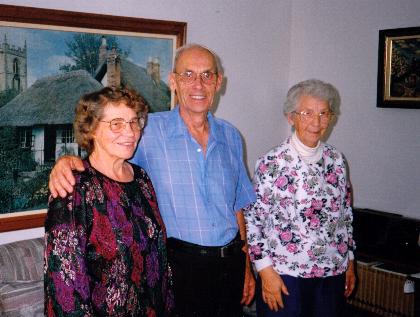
x=266 y=46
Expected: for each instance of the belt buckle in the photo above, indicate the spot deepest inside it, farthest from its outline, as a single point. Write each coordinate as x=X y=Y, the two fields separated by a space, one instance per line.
x=224 y=251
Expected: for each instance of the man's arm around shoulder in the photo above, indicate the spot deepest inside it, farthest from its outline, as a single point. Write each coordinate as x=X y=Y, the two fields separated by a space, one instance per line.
x=61 y=177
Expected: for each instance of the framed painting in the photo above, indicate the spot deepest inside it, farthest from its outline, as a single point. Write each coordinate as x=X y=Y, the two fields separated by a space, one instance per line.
x=48 y=60
x=399 y=68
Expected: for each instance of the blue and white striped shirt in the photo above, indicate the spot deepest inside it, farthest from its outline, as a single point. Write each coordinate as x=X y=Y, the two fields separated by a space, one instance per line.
x=198 y=195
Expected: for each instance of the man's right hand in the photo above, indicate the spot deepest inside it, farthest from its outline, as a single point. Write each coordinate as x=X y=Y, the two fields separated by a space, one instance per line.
x=61 y=177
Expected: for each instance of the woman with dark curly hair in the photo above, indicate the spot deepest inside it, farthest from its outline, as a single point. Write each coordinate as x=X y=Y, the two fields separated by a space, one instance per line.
x=105 y=249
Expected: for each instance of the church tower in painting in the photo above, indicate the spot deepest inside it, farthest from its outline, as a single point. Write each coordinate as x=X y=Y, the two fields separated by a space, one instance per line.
x=13 y=67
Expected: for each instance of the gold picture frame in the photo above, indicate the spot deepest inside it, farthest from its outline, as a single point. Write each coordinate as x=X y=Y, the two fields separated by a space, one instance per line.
x=399 y=68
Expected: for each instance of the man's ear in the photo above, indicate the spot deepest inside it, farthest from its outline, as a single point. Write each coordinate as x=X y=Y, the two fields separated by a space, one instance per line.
x=172 y=81
x=219 y=81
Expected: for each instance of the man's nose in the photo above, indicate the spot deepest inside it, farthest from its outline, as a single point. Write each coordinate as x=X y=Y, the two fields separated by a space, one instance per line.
x=198 y=81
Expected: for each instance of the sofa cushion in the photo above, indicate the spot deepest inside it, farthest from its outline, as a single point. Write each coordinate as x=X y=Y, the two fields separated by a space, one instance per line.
x=22 y=299
x=22 y=261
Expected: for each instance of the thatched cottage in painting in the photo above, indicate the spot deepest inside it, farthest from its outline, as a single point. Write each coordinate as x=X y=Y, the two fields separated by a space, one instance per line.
x=113 y=70
x=44 y=112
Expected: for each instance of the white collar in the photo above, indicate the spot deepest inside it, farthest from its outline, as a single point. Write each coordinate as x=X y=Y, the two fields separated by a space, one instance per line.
x=308 y=154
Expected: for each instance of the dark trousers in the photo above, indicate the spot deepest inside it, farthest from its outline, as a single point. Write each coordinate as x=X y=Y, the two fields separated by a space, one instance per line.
x=309 y=297
x=206 y=286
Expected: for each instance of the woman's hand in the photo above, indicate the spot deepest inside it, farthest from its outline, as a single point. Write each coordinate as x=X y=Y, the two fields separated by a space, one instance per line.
x=61 y=177
x=272 y=287
x=350 y=279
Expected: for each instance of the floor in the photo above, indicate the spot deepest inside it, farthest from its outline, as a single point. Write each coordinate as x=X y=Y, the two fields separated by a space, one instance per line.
x=350 y=312
x=353 y=312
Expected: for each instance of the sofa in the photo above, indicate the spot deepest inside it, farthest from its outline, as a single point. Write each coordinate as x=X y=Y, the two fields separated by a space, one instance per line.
x=22 y=278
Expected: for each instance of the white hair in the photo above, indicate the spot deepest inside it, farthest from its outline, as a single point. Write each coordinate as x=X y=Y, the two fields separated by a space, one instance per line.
x=314 y=88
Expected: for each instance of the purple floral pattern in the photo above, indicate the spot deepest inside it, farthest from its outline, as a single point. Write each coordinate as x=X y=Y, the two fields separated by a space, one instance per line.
x=301 y=223
x=105 y=250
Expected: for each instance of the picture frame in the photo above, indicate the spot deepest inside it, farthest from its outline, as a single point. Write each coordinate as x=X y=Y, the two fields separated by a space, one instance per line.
x=120 y=29
x=399 y=68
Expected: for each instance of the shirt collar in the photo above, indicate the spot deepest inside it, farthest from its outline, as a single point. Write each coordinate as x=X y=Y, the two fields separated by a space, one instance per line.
x=175 y=126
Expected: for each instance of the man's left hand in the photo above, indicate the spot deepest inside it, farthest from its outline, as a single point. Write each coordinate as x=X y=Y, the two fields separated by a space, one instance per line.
x=249 y=284
x=350 y=279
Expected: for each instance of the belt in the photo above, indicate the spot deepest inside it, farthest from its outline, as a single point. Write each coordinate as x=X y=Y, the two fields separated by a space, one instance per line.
x=231 y=249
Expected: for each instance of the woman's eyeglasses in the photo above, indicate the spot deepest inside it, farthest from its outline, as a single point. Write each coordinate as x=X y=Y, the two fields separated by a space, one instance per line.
x=324 y=116
x=119 y=124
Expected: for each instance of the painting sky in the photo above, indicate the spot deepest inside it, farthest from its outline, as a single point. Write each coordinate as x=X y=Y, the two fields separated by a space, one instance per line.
x=46 y=50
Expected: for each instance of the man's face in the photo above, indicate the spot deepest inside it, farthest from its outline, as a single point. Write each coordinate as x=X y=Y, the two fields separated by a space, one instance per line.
x=196 y=96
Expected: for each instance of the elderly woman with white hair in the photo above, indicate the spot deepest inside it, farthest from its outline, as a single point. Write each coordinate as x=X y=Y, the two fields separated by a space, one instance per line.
x=300 y=228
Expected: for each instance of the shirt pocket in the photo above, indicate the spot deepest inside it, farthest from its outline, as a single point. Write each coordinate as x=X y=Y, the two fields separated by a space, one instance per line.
x=222 y=178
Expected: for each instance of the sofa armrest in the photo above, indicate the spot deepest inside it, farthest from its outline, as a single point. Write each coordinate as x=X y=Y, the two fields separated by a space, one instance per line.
x=22 y=261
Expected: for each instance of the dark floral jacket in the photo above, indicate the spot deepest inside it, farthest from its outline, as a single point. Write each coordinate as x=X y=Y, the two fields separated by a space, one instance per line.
x=105 y=251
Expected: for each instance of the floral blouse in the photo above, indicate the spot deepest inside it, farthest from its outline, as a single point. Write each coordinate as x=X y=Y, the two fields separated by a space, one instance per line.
x=301 y=221
x=105 y=251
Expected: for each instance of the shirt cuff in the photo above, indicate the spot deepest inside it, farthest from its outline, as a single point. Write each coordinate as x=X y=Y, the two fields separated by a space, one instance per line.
x=263 y=263
x=351 y=255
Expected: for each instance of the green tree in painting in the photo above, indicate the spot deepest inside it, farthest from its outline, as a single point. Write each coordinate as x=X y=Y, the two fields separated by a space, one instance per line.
x=83 y=50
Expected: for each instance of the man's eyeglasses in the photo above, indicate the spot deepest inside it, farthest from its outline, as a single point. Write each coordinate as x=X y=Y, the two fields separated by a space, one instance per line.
x=324 y=116
x=119 y=124
x=189 y=77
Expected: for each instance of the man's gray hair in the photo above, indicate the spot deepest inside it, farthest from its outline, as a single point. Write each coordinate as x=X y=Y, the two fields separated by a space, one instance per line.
x=315 y=88
x=190 y=46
